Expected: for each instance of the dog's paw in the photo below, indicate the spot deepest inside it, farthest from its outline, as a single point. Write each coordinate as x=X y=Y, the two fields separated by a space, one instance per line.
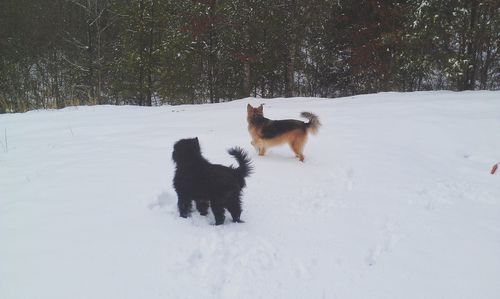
x=238 y=221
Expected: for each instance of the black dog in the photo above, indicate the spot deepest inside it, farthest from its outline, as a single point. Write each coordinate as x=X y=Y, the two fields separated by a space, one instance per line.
x=208 y=184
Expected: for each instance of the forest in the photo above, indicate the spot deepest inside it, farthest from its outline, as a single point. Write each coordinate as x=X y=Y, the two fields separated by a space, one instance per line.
x=60 y=53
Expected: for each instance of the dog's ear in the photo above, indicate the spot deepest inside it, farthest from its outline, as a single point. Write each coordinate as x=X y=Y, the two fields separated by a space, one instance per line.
x=197 y=144
x=249 y=109
x=260 y=109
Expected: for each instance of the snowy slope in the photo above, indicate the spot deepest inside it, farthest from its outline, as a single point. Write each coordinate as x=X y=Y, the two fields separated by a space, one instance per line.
x=395 y=200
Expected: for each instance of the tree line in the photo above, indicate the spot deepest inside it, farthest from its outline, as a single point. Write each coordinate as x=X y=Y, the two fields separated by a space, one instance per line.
x=58 y=53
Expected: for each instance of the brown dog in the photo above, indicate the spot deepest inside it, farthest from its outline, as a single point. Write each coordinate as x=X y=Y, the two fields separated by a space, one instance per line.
x=266 y=133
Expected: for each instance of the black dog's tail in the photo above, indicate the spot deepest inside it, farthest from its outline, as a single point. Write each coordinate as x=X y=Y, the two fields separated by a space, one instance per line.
x=245 y=164
x=313 y=124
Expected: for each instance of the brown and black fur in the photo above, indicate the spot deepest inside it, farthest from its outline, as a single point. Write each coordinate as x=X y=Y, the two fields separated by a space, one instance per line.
x=266 y=132
x=208 y=185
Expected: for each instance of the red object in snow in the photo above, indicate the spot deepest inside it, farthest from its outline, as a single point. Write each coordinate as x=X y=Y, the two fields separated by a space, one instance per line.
x=494 y=168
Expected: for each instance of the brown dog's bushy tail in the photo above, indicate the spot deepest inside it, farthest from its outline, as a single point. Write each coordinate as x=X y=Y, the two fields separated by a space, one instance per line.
x=314 y=123
x=245 y=164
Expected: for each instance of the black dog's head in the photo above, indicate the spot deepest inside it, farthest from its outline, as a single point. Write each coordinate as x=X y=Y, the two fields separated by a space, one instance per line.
x=186 y=149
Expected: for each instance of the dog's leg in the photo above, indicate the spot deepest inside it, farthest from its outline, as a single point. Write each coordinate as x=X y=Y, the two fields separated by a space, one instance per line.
x=202 y=207
x=184 y=205
x=259 y=147
x=234 y=209
x=218 y=212
x=297 y=146
x=256 y=145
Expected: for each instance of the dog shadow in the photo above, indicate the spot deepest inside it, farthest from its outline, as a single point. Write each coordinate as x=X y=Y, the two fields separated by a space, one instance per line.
x=275 y=156
x=167 y=203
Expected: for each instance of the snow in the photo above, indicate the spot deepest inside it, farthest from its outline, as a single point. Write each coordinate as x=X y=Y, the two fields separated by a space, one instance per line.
x=395 y=200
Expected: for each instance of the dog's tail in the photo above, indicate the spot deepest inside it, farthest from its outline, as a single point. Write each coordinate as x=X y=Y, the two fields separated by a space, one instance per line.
x=313 y=124
x=245 y=164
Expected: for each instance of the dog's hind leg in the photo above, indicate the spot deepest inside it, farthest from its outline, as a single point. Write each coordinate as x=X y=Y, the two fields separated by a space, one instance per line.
x=297 y=145
x=234 y=208
x=184 y=205
x=218 y=212
x=202 y=207
x=297 y=149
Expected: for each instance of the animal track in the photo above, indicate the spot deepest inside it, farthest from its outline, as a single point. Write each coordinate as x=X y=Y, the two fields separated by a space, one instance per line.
x=388 y=239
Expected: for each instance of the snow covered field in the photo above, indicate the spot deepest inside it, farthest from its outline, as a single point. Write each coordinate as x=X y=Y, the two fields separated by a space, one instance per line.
x=394 y=200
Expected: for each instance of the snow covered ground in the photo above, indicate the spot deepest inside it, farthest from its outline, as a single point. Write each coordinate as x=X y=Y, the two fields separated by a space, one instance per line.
x=394 y=200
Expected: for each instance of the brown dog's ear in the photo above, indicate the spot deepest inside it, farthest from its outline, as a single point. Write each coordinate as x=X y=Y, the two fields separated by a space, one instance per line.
x=260 y=109
x=249 y=108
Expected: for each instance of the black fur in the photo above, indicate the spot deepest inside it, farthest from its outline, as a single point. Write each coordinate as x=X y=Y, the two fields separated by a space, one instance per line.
x=273 y=128
x=208 y=185
x=278 y=127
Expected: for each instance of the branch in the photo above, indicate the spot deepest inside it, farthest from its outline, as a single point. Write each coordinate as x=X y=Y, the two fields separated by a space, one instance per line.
x=72 y=40
x=75 y=65
x=97 y=18
x=79 y=4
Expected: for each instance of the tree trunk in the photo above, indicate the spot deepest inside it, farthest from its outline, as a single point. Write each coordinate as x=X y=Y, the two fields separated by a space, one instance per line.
x=291 y=36
x=246 y=79
x=99 y=58
x=142 y=44
x=56 y=84
x=212 y=57
x=470 y=72
x=290 y=69
x=149 y=91
x=90 y=57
